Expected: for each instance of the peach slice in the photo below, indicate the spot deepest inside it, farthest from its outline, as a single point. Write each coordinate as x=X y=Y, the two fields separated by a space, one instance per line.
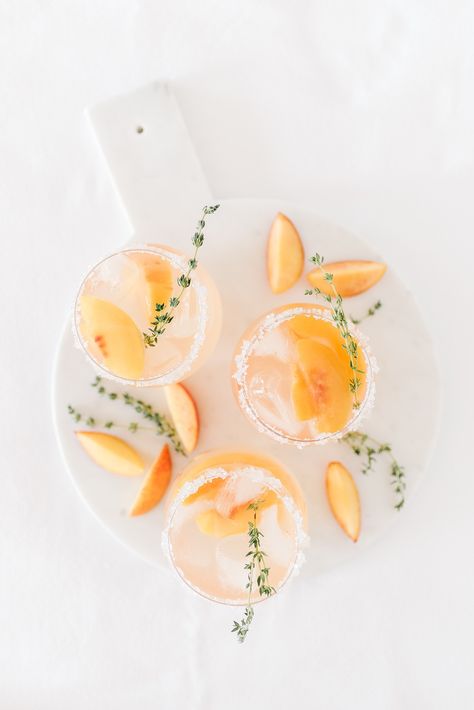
x=321 y=331
x=210 y=522
x=184 y=413
x=111 y=453
x=327 y=385
x=350 y=277
x=285 y=254
x=307 y=326
x=154 y=485
x=114 y=335
x=158 y=277
x=343 y=498
x=207 y=491
x=301 y=397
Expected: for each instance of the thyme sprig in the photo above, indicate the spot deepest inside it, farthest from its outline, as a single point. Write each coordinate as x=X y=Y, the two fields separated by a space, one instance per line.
x=256 y=562
x=364 y=445
x=339 y=317
x=164 y=317
x=162 y=425
x=371 y=312
x=92 y=422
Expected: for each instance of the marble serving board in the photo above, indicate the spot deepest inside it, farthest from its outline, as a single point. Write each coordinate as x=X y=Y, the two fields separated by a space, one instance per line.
x=155 y=180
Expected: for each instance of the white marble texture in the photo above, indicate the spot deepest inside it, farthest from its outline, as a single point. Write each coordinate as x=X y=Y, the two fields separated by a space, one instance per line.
x=405 y=416
x=363 y=111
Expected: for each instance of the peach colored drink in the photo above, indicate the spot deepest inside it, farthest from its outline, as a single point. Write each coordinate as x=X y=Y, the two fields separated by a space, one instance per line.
x=291 y=376
x=206 y=536
x=117 y=302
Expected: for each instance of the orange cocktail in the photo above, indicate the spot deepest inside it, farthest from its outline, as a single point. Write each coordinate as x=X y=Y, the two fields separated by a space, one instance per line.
x=291 y=376
x=206 y=535
x=117 y=302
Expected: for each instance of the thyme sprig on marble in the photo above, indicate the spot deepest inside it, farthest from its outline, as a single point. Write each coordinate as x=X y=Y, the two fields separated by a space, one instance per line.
x=92 y=422
x=162 y=425
x=256 y=563
x=371 y=312
x=366 y=446
x=165 y=312
x=339 y=317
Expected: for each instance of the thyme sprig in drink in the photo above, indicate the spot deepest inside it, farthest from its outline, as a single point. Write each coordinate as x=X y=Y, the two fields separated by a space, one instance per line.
x=165 y=309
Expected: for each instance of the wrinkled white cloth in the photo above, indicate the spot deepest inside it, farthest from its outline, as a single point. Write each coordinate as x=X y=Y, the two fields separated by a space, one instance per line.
x=364 y=111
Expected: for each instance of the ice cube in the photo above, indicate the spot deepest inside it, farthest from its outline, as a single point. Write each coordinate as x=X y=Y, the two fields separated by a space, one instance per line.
x=230 y=558
x=269 y=388
x=279 y=545
x=165 y=356
x=237 y=491
x=121 y=274
x=185 y=317
x=277 y=343
x=191 y=549
x=118 y=279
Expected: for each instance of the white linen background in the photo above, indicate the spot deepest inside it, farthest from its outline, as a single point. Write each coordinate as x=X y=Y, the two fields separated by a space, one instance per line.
x=364 y=110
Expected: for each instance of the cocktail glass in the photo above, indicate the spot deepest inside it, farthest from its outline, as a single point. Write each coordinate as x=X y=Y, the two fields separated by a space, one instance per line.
x=117 y=303
x=206 y=535
x=291 y=376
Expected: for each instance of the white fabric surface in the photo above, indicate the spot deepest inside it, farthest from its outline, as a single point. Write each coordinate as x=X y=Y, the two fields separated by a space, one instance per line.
x=364 y=110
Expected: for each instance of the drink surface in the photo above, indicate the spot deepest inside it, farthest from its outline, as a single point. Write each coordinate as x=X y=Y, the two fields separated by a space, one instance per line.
x=207 y=535
x=117 y=304
x=292 y=375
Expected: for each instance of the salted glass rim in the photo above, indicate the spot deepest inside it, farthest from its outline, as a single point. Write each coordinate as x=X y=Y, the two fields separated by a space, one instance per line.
x=271 y=482
x=268 y=322
x=179 y=261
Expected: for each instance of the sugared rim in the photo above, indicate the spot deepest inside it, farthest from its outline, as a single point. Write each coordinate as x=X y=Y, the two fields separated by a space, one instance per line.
x=258 y=474
x=266 y=324
x=180 y=371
